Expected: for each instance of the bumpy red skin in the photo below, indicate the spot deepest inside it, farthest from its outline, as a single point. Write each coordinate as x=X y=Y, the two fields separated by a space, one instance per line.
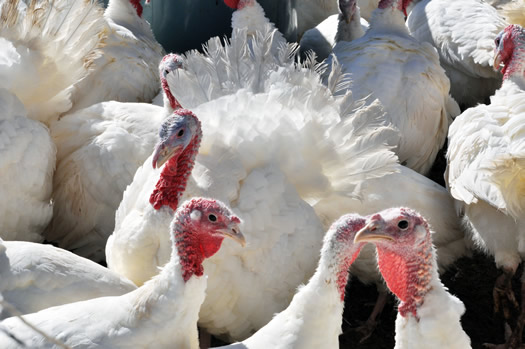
x=176 y=171
x=196 y=238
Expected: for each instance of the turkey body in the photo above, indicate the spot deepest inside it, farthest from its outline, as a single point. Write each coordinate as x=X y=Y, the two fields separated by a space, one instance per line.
x=463 y=33
x=405 y=75
x=100 y=148
x=27 y=162
x=486 y=172
x=126 y=69
x=36 y=276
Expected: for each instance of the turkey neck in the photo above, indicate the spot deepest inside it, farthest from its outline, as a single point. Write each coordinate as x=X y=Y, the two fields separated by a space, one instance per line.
x=175 y=174
x=321 y=301
x=170 y=102
x=388 y=19
x=349 y=31
x=410 y=277
x=178 y=289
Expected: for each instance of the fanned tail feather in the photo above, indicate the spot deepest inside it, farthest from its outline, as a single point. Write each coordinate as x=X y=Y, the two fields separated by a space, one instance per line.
x=226 y=66
x=59 y=39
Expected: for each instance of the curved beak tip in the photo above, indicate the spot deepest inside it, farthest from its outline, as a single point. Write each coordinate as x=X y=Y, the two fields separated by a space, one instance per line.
x=371 y=233
x=497 y=62
x=234 y=233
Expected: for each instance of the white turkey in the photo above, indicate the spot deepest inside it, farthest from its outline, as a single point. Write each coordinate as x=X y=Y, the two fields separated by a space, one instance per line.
x=27 y=161
x=36 y=276
x=274 y=138
x=323 y=37
x=486 y=169
x=313 y=318
x=310 y=13
x=390 y=65
x=463 y=33
x=249 y=15
x=428 y=315
x=45 y=49
x=99 y=150
x=126 y=71
x=162 y=313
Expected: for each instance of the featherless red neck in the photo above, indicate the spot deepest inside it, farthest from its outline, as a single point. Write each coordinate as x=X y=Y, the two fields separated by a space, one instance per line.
x=175 y=173
x=344 y=250
x=138 y=7
x=169 y=64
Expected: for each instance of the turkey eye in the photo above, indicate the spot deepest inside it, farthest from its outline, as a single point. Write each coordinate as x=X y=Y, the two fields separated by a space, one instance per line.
x=496 y=41
x=212 y=218
x=181 y=133
x=402 y=224
x=166 y=72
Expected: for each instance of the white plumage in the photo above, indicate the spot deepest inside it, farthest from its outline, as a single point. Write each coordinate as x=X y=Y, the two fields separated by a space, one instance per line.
x=486 y=171
x=99 y=150
x=273 y=139
x=36 y=276
x=45 y=50
x=162 y=313
x=126 y=70
x=463 y=33
x=27 y=161
x=486 y=165
x=405 y=75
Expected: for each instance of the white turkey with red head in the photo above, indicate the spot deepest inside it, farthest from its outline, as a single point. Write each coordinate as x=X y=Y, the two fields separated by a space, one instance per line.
x=428 y=316
x=486 y=169
x=99 y=150
x=163 y=313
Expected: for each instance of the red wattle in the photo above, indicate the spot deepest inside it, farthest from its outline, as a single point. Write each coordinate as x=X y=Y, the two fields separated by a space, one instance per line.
x=176 y=172
x=395 y=272
x=136 y=4
x=232 y=3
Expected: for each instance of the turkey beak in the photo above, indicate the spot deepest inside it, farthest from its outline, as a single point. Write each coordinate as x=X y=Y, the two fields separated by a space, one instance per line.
x=371 y=232
x=497 y=61
x=233 y=232
x=163 y=152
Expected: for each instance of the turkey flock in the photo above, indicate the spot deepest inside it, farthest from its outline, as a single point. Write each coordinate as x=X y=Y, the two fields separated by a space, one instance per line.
x=228 y=195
